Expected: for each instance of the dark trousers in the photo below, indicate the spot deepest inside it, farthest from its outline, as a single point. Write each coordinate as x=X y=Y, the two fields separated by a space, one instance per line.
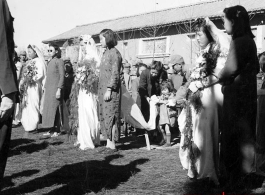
x=5 y=136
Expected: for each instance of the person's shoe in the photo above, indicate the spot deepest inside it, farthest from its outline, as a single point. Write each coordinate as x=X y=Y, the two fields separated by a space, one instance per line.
x=55 y=134
x=47 y=134
x=162 y=142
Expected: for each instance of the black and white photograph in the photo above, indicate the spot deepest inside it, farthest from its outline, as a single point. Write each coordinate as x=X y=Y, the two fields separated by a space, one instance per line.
x=119 y=97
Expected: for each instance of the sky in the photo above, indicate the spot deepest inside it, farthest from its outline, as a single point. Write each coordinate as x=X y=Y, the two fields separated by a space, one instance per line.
x=37 y=20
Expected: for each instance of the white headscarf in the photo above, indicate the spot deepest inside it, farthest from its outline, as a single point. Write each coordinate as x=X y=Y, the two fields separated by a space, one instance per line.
x=91 y=49
x=41 y=57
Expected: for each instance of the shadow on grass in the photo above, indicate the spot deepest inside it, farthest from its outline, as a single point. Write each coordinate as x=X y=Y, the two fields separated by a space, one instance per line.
x=30 y=147
x=205 y=187
x=7 y=181
x=84 y=177
x=136 y=142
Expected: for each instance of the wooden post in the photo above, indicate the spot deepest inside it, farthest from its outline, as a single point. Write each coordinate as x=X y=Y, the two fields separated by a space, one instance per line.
x=147 y=140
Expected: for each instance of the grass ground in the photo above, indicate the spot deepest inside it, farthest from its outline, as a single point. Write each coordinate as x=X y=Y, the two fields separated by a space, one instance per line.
x=40 y=165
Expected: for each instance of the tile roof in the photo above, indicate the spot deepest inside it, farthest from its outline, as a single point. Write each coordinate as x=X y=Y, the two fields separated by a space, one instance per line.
x=162 y=17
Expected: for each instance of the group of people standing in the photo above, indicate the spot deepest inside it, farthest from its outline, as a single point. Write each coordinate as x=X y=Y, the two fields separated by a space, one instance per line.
x=218 y=97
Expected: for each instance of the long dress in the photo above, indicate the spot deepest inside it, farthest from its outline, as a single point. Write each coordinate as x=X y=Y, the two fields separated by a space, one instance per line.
x=260 y=131
x=205 y=129
x=240 y=106
x=30 y=114
x=88 y=135
x=109 y=112
x=54 y=80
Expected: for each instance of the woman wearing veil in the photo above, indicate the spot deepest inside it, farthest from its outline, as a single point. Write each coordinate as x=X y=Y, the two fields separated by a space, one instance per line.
x=31 y=88
x=84 y=93
x=199 y=120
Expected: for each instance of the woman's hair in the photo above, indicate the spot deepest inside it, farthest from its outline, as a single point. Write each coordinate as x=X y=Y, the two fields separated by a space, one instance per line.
x=200 y=25
x=57 y=48
x=16 y=58
x=157 y=65
x=239 y=16
x=138 y=68
x=110 y=38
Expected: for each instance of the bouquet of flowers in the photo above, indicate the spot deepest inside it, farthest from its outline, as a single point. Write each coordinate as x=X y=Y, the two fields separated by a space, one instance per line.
x=86 y=78
x=198 y=80
x=29 y=79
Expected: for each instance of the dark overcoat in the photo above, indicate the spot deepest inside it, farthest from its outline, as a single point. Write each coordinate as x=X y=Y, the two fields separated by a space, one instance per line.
x=54 y=80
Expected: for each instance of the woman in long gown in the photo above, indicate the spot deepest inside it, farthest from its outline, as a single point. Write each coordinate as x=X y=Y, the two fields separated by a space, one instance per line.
x=31 y=100
x=110 y=88
x=202 y=156
x=88 y=134
x=238 y=78
x=52 y=117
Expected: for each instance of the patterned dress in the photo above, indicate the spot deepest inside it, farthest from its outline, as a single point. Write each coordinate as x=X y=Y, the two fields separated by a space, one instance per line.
x=109 y=112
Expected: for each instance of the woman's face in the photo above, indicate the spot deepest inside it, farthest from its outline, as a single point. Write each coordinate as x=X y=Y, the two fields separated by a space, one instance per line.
x=22 y=58
x=228 y=25
x=141 y=69
x=52 y=51
x=102 y=41
x=202 y=39
x=154 y=72
x=165 y=91
x=31 y=53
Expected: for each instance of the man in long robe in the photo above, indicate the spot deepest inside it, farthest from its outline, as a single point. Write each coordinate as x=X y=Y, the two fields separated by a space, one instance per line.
x=8 y=83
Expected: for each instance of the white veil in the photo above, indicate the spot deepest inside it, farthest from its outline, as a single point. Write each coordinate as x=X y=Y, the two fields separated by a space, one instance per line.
x=91 y=49
x=41 y=57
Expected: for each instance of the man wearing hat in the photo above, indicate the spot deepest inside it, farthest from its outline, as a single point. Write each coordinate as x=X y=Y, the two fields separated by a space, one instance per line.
x=178 y=77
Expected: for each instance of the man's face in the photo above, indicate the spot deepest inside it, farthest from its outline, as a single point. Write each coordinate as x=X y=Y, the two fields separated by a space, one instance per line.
x=177 y=68
x=262 y=63
x=126 y=69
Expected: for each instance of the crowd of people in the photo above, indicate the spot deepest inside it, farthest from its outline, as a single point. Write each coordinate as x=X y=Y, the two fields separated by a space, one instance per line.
x=213 y=105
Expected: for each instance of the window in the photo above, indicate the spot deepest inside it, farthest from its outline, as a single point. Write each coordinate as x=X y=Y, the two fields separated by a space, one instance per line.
x=154 y=46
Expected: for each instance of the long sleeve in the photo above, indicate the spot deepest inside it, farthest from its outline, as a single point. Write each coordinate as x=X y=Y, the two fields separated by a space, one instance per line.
x=143 y=84
x=8 y=82
x=40 y=70
x=219 y=36
x=60 y=65
x=232 y=66
x=115 y=70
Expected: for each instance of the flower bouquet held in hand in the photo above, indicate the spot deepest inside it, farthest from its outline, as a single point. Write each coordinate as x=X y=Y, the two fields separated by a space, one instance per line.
x=86 y=78
x=29 y=80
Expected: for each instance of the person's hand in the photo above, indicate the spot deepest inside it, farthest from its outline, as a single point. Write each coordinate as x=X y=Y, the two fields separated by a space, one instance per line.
x=107 y=96
x=181 y=101
x=148 y=99
x=7 y=106
x=58 y=94
x=171 y=103
x=207 y=21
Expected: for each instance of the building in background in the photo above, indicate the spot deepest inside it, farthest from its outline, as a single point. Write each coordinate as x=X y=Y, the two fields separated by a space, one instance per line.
x=159 y=34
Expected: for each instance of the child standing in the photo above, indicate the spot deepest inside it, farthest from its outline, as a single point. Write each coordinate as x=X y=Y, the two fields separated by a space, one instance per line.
x=167 y=114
